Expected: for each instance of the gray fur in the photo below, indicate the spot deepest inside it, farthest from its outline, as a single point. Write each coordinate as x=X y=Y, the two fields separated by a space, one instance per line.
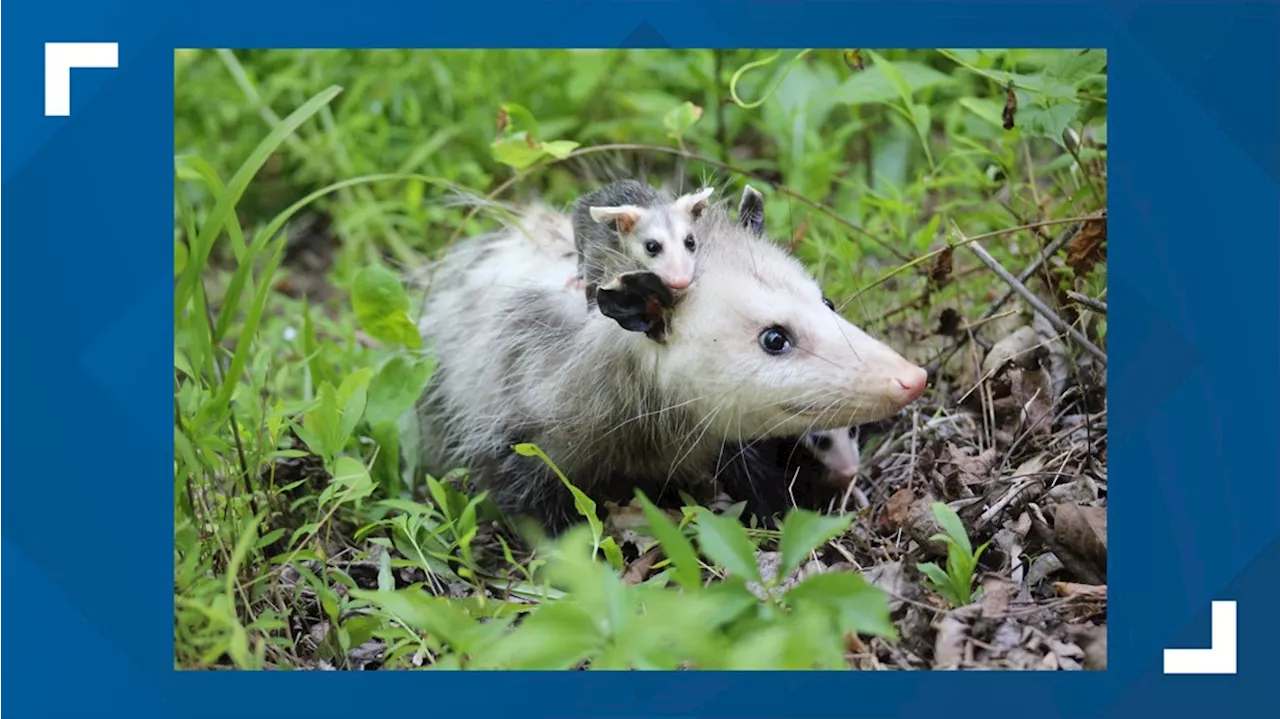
x=602 y=252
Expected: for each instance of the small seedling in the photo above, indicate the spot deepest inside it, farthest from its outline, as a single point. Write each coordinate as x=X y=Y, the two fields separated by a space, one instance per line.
x=955 y=584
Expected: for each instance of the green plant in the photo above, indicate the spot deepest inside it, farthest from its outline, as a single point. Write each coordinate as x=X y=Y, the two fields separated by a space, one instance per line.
x=956 y=583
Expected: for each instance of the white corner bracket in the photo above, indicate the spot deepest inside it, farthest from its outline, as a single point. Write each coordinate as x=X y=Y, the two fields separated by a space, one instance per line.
x=1219 y=658
x=60 y=58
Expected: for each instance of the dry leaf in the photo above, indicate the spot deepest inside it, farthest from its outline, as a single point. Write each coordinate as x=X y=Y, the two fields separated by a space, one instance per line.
x=1035 y=399
x=1089 y=246
x=1012 y=347
x=896 y=510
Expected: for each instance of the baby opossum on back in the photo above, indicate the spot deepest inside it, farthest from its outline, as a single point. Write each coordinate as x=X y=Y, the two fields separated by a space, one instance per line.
x=753 y=351
x=627 y=225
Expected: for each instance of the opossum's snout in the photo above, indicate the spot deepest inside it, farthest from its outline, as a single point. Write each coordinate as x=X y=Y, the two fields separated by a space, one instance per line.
x=911 y=381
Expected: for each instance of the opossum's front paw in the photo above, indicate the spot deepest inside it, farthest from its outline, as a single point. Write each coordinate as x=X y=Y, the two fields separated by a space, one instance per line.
x=576 y=283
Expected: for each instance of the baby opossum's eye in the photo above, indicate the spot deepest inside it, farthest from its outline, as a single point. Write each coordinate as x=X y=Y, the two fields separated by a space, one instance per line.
x=689 y=244
x=822 y=442
x=830 y=305
x=653 y=247
x=775 y=341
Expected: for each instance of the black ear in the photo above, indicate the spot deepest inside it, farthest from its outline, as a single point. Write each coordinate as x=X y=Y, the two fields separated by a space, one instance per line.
x=638 y=302
x=751 y=210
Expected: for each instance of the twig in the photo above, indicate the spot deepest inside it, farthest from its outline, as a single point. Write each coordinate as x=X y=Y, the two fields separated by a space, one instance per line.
x=1050 y=250
x=1088 y=302
x=1035 y=302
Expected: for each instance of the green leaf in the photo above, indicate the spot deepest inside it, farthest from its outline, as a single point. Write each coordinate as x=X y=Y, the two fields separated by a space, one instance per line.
x=351 y=397
x=585 y=505
x=559 y=149
x=424 y=612
x=519 y=120
x=315 y=352
x=381 y=305
x=520 y=151
x=952 y=525
x=934 y=573
x=724 y=542
x=989 y=110
x=350 y=476
x=386 y=581
x=856 y=605
x=612 y=553
x=873 y=85
x=681 y=118
x=397 y=387
x=1047 y=122
x=1073 y=67
x=894 y=76
x=555 y=636
x=804 y=531
x=179 y=256
x=677 y=548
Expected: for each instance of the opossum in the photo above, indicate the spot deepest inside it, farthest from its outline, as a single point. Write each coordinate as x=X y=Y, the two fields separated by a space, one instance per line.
x=814 y=471
x=627 y=226
x=752 y=351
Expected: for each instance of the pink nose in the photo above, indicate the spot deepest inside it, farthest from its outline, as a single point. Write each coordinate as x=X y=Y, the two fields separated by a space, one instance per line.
x=678 y=283
x=913 y=381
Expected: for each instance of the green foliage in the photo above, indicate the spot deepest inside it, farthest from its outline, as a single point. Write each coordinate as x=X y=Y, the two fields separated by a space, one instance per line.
x=297 y=366
x=955 y=584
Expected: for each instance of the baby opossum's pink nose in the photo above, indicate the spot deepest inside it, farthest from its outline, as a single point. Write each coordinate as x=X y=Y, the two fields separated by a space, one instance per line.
x=678 y=283
x=913 y=381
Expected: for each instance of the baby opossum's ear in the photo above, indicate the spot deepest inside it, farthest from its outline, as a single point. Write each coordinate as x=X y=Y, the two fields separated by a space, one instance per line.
x=751 y=210
x=623 y=217
x=694 y=203
x=638 y=302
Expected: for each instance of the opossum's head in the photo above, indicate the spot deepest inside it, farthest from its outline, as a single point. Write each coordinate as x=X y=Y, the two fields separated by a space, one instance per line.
x=660 y=238
x=837 y=450
x=764 y=351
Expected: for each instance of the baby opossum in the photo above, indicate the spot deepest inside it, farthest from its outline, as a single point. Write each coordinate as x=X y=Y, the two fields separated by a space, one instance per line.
x=753 y=351
x=627 y=226
x=774 y=475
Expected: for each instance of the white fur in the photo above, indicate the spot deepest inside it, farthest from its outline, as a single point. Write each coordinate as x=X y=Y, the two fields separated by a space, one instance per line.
x=669 y=225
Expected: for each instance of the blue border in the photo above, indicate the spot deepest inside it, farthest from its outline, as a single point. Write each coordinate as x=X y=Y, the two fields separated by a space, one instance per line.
x=1195 y=355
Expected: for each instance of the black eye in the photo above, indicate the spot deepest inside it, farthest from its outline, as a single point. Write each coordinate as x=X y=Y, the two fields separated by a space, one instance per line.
x=830 y=305
x=775 y=341
x=822 y=442
x=653 y=247
x=689 y=244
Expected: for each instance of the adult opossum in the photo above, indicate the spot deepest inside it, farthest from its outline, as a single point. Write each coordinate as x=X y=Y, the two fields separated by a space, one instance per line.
x=752 y=350
x=627 y=225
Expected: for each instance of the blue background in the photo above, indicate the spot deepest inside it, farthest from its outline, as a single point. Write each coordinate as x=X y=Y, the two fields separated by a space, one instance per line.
x=1194 y=355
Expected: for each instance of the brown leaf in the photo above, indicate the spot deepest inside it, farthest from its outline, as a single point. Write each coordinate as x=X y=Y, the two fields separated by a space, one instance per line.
x=975 y=469
x=896 y=510
x=1080 y=536
x=1084 y=529
x=639 y=570
x=853 y=58
x=996 y=594
x=1086 y=591
x=940 y=269
x=1035 y=398
x=1012 y=347
x=1089 y=246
